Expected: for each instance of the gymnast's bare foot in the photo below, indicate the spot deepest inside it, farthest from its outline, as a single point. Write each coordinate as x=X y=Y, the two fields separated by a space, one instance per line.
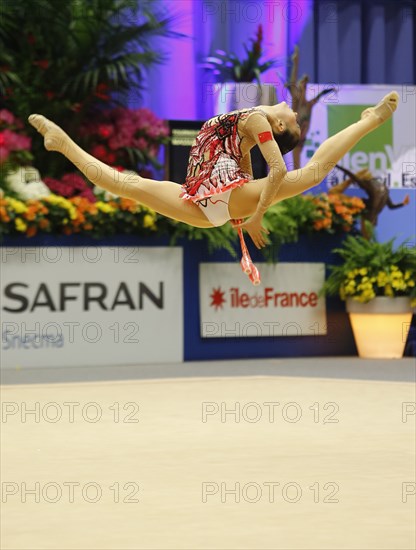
x=54 y=137
x=383 y=110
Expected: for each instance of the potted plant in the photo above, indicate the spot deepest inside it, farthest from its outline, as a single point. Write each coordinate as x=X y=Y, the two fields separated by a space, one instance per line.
x=239 y=84
x=377 y=281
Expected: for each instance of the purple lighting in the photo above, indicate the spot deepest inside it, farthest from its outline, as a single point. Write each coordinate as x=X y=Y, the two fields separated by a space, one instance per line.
x=179 y=89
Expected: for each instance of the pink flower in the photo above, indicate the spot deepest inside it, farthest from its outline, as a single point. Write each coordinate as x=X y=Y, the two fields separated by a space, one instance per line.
x=141 y=143
x=69 y=186
x=4 y=153
x=74 y=181
x=15 y=141
x=6 y=116
x=153 y=150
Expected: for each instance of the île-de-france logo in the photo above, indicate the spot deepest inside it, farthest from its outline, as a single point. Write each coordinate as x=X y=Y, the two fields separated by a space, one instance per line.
x=217 y=298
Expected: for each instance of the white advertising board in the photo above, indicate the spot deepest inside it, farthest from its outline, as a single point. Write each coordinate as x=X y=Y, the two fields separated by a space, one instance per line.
x=285 y=304
x=68 y=306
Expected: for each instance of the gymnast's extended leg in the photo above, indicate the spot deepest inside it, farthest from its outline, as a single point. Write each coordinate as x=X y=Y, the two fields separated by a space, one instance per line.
x=334 y=148
x=161 y=196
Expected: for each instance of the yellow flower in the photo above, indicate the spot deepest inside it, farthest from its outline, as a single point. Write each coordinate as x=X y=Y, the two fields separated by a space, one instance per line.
x=388 y=291
x=382 y=278
x=350 y=287
x=351 y=274
x=398 y=285
x=363 y=271
x=63 y=203
x=20 y=224
x=104 y=207
x=149 y=221
x=18 y=206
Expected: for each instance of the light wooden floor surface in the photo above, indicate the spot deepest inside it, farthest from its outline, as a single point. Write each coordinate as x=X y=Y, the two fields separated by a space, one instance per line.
x=302 y=463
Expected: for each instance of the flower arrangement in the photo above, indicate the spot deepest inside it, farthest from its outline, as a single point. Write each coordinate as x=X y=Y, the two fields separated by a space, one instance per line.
x=371 y=269
x=228 y=67
x=71 y=62
x=122 y=137
x=119 y=137
x=104 y=215
x=335 y=211
x=14 y=143
x=58 y=215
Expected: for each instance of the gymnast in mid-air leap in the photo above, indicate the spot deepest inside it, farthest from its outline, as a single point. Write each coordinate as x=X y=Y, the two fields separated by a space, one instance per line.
x=219 y=185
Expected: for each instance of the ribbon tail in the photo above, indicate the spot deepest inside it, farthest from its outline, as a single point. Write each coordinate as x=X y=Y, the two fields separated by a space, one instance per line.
x=246 y=262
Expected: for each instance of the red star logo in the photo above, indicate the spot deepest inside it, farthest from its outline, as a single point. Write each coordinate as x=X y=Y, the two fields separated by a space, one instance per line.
x=217 y=297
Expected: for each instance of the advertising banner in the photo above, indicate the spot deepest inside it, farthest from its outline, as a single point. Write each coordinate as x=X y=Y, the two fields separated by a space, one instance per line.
x=389 y=152
x=76 y=306
x=285 y=304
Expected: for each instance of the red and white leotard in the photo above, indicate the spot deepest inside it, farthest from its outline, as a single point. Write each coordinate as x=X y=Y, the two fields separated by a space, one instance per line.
x=214 y=169
x=215 y=156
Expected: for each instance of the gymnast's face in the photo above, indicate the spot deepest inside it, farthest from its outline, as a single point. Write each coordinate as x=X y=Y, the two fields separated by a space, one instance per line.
x=284 y=118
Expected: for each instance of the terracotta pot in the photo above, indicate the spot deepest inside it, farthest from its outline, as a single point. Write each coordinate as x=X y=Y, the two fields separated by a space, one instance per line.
x=380 y=326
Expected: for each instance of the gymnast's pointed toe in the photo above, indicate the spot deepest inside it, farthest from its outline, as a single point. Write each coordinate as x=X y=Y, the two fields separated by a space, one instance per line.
x=384 y=108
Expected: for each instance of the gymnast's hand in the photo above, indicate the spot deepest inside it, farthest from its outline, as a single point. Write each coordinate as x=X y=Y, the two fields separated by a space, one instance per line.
x=255 y=229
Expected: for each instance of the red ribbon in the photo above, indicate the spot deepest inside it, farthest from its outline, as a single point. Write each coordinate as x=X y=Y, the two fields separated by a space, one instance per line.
x=246 y=262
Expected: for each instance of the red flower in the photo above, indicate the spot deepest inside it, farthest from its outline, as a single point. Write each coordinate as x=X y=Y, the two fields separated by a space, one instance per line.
x=42 y=63
x=105 y=130
x=49 y=94
x=100 y=152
